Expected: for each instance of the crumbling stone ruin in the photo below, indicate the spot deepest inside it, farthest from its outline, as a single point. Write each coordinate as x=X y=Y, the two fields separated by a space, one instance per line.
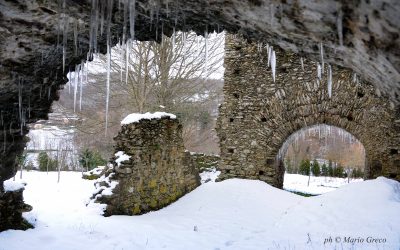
x=11 y=208
x=259 y=114
x=151 y=168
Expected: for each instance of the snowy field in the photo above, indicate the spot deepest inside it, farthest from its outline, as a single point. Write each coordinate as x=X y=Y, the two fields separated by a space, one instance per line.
x=318 y=185
x=233 y=214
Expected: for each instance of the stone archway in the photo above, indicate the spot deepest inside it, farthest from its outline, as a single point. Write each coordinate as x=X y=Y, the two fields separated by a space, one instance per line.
x=258 y=114
x=325 y=144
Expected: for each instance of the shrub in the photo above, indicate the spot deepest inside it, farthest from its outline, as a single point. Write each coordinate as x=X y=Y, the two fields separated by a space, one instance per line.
x=324 y=170
x=91 y=159
x=46 y=162
x=304 y=168
x=358 y=173
x=338 y=172
x=315 y=169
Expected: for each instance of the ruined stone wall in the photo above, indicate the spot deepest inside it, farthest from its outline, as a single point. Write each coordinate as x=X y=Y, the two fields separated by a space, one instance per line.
x=158 y=171
x=11 y=208
x=204 y=162
x=258 y=114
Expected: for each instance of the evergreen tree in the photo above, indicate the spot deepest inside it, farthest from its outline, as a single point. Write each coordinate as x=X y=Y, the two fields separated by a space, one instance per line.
x=339 y=171
x=46 y=163
x=91 y=159
x=331 y=171
x=304 y=168
x=315 y=170
x=324 y=170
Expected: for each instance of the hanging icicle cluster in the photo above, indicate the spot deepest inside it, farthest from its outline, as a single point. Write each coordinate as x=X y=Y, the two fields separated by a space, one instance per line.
x=321 y=69
x=323 y=131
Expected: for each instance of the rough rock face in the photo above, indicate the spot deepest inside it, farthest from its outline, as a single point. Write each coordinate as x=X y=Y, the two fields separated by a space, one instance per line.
x=157 y=173
x=258 y=114
x=11 y=208
x=361 y=35
x=203 y=162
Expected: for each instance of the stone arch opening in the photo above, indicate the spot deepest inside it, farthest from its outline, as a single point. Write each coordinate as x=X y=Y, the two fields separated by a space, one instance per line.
x=334 y=151
x=269 y=111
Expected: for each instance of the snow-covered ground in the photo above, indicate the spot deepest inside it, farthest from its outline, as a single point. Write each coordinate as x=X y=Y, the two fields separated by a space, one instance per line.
x=318 y=185
x=233 y=214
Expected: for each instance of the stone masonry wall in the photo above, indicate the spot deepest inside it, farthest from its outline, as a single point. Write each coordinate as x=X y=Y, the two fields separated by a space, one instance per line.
x=258 y=114
x=11 y=208
x=204 y=162
x=157 y=173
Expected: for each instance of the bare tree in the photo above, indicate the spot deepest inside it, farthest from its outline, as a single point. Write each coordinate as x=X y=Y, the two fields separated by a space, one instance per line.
x=173 y=76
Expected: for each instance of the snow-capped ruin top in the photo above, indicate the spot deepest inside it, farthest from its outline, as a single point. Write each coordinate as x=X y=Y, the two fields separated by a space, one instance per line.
x=135 y=117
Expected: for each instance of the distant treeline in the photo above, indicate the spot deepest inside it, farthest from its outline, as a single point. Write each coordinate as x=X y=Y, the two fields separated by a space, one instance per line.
x=313 y=168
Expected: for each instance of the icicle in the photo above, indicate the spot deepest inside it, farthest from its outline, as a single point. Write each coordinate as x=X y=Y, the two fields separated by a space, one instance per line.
x=125 y=24
x=273 y=64
x=109 y=11
x=162 y=34
x=339 y=24
x=93 y=27
x=329 y=81
x=173 y=38
x=49 y=92
x=322 y=58
x=127 y=49
x=29 y=105
x=102 y=17
x=20 y=100
x=157 y=15
x=270 y=49
x=76 y=37
x=87 y=68
x=319 y=132
x=319 y=71
x=355 y=77
x=378 y=92
x=65 y=41
x=206 y=52
x=108 y=83
x=122 y=60
x=259 y=47
x=5 y=139
x=69 y=82
x=302 y=63
x=75 y=85
x=132 y=16
x=80 y=76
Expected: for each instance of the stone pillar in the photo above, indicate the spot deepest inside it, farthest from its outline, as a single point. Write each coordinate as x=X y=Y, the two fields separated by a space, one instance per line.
x=12 y=205
x=158 y=170
x=11 y=208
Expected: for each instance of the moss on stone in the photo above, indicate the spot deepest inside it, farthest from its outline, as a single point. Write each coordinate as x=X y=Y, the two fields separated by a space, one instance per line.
x=153 y=183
